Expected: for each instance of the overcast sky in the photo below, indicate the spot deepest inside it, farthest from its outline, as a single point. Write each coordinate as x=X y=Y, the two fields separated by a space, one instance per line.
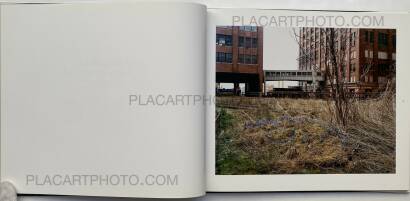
x=280 y=50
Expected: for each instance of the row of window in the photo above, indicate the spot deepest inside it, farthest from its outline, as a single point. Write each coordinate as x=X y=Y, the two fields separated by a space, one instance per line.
x=248 y=42
x=226 y=40
x=380 y=55
x=367 y=79
x=223 y=57
x=278 y=74
x=310 y=41
x=382 y=38
x=243 y=28
x=248 y=28
x=385 y=69
x=369 y=36
x=223 y=39
x=247 y=59
x=353 y=55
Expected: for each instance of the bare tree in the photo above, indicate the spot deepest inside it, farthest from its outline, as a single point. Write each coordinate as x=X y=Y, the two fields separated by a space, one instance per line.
x=336 y=47
x=335 y=43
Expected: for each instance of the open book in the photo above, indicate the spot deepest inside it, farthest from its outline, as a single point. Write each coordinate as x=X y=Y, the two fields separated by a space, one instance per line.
x=176 y=100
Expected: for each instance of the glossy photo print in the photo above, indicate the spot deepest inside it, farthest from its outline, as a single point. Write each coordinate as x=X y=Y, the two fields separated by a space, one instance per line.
x=305 y=100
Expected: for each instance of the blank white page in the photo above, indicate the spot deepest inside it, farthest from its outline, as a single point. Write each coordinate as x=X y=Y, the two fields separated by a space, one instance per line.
x=67 y=74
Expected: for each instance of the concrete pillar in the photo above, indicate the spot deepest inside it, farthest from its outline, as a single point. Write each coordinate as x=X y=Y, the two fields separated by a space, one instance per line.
x=264 y=88
x=236 y=88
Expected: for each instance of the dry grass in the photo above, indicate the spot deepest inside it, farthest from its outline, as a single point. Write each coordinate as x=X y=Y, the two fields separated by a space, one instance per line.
x=291 y=136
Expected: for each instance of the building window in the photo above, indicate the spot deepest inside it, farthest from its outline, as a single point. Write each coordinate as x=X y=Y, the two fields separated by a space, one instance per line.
x=368 y=78
x=369 y=36
x=352 y=67
x=228 y=57
x=220 y=57
x=254 y=42
x=248 y=42
x=352 y=78
x=254 y=59
x=371 y=39
x=382 y=55
x=220 y=39
x=241 y=59
x=382 y=40
x=353 y=55
x=247 y=59
x=241 y=41
x=223 y=40
x=223 y=57
x=368 y=53
x=228 y=40
x=383 y=69
x=248 y=28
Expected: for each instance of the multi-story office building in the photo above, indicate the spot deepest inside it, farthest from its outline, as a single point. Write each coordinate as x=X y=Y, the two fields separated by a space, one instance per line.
x=239 y=56
x=370 y=55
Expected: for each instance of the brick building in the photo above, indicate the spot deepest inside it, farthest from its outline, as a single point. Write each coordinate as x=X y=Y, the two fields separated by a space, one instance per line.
x=239 y=56
x=370 y=55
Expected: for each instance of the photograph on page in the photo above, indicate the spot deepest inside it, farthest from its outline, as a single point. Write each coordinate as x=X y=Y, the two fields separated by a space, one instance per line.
x=306 y=100
x=326 y=106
